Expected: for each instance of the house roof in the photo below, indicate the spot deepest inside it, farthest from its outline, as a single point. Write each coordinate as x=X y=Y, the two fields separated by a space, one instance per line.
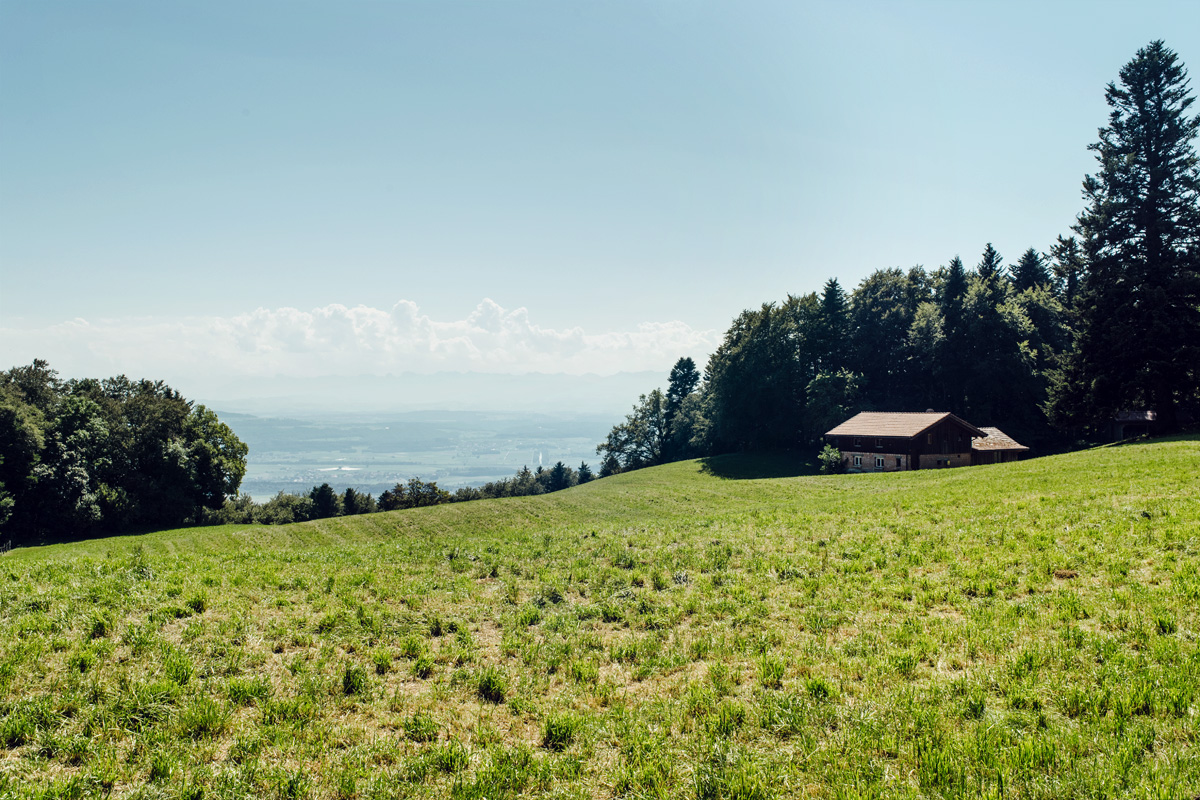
x=896 y=423
x=996 y=440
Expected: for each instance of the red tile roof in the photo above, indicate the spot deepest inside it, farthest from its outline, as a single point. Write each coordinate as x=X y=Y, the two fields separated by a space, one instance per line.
x=895 y=423
x=996 y=440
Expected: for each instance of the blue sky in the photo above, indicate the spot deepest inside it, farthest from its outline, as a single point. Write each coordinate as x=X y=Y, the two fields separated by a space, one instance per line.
x=314 y=187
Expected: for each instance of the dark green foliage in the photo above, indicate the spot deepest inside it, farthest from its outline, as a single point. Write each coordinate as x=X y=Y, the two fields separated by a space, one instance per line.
x=831 y=398
x=325 y=502
x=1138 y=343
x=87 y=455
x=754 y=383
x=415 y=494
x=1068 y=267
x=641 y=441
x=1030 y=271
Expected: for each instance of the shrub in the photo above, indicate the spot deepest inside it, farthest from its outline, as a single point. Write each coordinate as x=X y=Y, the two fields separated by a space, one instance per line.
x=830 y=459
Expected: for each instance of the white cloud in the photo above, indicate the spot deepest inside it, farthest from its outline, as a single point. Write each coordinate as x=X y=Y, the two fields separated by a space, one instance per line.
x=337 y=340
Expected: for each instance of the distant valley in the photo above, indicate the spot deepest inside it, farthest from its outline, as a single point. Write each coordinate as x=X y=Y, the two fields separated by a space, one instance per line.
x=372 y=452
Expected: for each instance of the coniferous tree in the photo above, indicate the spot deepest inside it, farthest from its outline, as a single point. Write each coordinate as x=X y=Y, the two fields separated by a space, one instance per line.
x=1030 y=271
x=1068 y=269
x=990 y=264
x=1138 y=342
x=831 y=331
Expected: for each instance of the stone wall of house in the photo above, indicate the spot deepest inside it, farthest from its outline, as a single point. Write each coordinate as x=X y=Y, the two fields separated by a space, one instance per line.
x=930 y=460
x=868 y=461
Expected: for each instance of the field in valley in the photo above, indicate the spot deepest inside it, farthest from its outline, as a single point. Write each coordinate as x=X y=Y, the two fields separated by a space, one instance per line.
x=721 y=628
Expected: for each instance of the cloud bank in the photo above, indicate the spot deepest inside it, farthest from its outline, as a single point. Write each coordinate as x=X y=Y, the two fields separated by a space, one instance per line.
x=361 y=340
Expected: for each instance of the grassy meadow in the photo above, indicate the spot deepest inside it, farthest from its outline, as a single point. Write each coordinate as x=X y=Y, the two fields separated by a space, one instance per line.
x=696 y=630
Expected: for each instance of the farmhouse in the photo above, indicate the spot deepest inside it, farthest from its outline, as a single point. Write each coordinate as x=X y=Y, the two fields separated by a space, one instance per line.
x=890 y=441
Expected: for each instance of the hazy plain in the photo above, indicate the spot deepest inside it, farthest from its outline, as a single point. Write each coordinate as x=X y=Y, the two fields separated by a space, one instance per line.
x=373 y=451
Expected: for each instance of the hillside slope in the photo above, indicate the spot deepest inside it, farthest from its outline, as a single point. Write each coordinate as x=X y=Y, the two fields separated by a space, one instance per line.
x=1023 y=628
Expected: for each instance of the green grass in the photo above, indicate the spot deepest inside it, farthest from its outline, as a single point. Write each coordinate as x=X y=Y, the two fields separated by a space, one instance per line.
x=696 y=630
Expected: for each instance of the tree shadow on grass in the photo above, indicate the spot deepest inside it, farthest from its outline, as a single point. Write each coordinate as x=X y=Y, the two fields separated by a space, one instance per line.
x=749 y=467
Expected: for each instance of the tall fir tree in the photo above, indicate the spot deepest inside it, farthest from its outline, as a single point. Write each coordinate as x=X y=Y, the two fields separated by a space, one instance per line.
x=831 y=333
x=1068 y=269
x=990 y=264
x=1030 y=271
x=1138 y=343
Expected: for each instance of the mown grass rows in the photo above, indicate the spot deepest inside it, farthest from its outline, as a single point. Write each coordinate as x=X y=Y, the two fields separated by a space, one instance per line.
x=1026 y=630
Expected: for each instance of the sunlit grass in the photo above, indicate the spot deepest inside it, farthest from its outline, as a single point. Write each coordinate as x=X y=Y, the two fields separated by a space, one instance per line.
x=1025 y=630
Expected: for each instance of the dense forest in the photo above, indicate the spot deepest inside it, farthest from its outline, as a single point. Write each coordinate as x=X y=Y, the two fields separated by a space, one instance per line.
x=1049 y=347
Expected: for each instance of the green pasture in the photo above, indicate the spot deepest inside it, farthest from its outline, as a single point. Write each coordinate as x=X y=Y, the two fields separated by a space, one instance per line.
x=718 y=628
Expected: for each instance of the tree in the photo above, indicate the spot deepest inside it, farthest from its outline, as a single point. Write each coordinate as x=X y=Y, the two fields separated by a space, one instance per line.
x=585 y=472
x=754 y=382
x=882 y=316
x=218 y=458
x=1030 y=271
x=832 y=396
x=1138 y=339
x=325 y=502
x=831 y=331
x=681 y=384
x=561 y=477
x=990 y=264
x=1068 y=268
x=639 y=441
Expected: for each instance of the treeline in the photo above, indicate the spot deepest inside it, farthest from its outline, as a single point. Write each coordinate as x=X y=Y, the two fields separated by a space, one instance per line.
x=95 y=456
x=978 y=342
x=1049 y=348
x=324 y=502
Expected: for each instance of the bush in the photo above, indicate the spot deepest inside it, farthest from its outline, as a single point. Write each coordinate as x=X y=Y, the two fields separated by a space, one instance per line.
x=830 y=459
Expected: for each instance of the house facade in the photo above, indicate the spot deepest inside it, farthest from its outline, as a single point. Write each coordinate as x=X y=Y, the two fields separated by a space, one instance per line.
x=892 y=441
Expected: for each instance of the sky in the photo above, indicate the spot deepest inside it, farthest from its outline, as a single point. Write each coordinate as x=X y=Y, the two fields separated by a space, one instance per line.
x=199 y=189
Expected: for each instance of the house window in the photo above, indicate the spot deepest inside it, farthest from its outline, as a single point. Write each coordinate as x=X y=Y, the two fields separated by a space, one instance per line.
x=929 y=438
x=878 y=442
x=878 y=462
x=897 y=462
x=858 y=441
x=858 y=461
